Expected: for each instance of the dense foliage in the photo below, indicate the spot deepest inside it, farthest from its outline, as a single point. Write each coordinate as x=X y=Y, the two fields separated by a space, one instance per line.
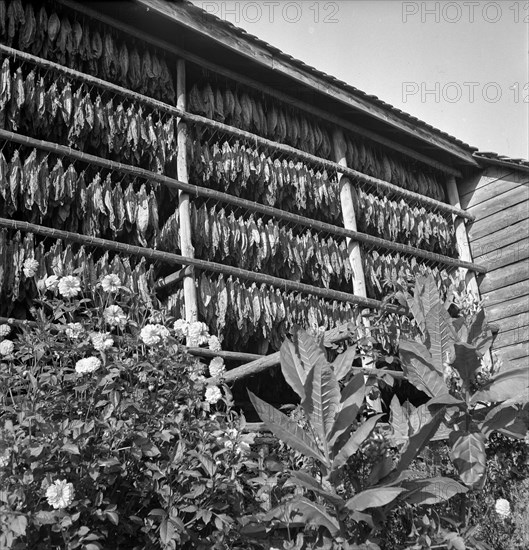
x=111 y=437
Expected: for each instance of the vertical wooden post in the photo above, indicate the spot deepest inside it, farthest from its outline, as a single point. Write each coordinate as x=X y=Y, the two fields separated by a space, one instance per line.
x=463 y=246
x=353 y=247
x=461 y=236
x=190 y=292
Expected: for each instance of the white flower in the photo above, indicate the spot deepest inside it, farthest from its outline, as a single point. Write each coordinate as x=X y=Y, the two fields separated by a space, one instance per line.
x=51 y=282
x=60 y=494
x=244 y=448
x=110 y=283
x=74 y=330
x=198 y=333
x=4 y=459
x=503 y=508
x=181 y=328
x=30 y=267
x=115 y=316
x=5 y=330
x=228 y=444
x=216 y=367
x=214 y=344
x=154 y=334
x=213 y=394
x=6 y=347
x=69 y=286
x=88 y=365
x=101 y=340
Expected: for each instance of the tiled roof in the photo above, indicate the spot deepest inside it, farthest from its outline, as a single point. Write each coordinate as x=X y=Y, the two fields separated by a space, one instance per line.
x=494 y=158
x=321 y=75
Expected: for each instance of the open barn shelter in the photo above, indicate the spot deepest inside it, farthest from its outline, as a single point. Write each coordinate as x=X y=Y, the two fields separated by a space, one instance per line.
x=251 y=191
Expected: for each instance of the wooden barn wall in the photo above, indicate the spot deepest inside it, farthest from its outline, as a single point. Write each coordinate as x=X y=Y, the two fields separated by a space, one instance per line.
x=499 y=239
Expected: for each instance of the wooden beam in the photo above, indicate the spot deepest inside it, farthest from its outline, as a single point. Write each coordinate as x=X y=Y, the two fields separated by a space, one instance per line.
x=462 y=236
x=261 y=87
x=332 y=336
x=355 y=254
x=176 y=277
x=186 y=246
x=349 y=217
x=227 y=355
x=188 y=16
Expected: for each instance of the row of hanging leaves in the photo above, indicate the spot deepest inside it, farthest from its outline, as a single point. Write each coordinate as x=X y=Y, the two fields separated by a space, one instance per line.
x=242 y=312
x=370 y=159
x=385 y=271
x=245 y=110
x=31 y=105
x=44 y=188
x=58 y=259
x=241 y=170
x=249 y=242
x=397 y=221
x=86 y=46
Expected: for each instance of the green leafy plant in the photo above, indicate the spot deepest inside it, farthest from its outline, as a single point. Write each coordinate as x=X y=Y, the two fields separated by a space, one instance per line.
x=330 y=437
x=448 y=366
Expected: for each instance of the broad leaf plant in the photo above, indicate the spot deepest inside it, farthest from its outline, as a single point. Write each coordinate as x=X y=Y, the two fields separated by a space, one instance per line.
x=331 y=437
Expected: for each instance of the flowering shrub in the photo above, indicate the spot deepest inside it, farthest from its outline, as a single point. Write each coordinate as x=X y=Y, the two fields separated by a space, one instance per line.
x=110 y=437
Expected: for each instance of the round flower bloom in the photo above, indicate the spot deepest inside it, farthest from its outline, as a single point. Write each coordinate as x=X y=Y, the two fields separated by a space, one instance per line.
x=153 y=334
x=101 y=340
x=4 y=459
x=6 y=347
x=69 y=286
x=198 y=333
x=60 y=494
x=30 y=267
x=5 y=330
x=213 y=394
x=88 y=365
x=115 y=316
x=74 y=330
x=214 y=344
x=503 y=508
x=110 y=283
x=181 y=328
x=216 y=367
x=51 y=282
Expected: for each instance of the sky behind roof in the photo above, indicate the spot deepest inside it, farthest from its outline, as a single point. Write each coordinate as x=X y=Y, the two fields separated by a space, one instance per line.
x=460 y=66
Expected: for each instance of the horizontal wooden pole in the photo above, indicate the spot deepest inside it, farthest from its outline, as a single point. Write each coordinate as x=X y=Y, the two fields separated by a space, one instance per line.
x=374 y=183
x=174 y=278
x=227 y=355
x=332 y=336
x=235 y=201
x=169 y=258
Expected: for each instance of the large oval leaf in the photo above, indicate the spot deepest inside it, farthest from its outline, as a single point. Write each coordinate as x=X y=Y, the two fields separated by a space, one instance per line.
x=418 y=367
x=373 y=498
x=433 y=490
x=469 y=456
x=355 y=441
x=292 y=368
x=286 y=430
x=504 y=386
